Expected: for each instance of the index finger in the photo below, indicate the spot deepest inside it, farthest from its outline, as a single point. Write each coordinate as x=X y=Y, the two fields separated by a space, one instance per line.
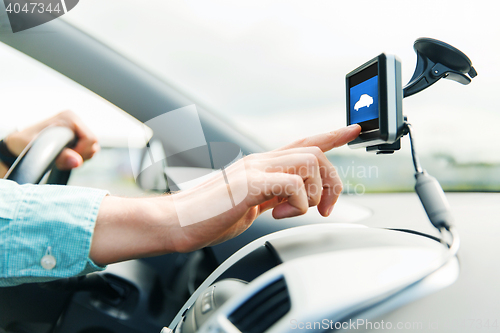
x=327 y=141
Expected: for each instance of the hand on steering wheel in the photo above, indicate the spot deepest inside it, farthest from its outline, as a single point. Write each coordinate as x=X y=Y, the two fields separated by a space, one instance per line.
x=49 y=144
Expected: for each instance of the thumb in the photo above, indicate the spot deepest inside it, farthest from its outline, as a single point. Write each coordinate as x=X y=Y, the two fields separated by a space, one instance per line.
x=68 y=159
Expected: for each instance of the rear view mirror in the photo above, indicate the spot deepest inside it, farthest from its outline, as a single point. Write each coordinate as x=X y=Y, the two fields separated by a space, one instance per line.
x=153 y=163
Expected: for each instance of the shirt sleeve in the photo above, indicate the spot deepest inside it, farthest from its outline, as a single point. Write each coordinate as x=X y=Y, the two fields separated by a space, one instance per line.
x=46 y=231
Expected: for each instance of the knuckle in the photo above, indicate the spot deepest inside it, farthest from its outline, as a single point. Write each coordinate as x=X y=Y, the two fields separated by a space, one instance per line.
x=316 y=150
x=93 y=139
x=314 y=198
x=248 y=157
x=333 y=173
x=311 y=159
x=250 y=161
x=338 y=188
x=67 y=113
x=303 y=210
x=251 y=158
x=296 y=181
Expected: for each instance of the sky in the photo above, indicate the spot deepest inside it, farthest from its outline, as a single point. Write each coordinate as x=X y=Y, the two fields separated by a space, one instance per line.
x=275 y=69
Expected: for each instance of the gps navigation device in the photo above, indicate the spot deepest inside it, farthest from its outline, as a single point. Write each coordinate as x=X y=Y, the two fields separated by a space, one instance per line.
x=374 y=98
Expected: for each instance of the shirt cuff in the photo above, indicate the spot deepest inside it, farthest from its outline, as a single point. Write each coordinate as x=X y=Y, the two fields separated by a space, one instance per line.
x=49 y=233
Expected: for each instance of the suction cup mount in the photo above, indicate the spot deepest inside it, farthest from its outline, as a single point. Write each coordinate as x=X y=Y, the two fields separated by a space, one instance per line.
x=437 y=60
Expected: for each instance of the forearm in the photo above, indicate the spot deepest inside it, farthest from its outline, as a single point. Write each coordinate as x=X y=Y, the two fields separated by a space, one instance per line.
x=41 y=220
x=128 y=228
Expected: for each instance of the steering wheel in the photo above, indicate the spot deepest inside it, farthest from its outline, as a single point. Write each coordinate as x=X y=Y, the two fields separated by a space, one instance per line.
x=40 y=155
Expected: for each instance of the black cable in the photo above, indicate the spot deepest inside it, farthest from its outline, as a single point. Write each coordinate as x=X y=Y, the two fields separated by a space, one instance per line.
x=451 y=253
x=414 y=232
x=416 y=161
x=455 y=241
x=432 y=197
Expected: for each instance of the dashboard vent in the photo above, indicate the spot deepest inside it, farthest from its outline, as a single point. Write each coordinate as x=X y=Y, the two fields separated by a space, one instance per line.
x=263 y=309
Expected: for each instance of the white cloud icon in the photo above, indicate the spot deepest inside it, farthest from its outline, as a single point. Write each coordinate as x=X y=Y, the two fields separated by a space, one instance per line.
x=364 y=101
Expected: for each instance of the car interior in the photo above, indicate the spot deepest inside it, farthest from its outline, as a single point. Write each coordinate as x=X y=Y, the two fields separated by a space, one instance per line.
x=384 y=256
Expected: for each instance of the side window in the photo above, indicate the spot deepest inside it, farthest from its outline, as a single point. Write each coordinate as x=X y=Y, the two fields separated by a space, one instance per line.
x=31 y=92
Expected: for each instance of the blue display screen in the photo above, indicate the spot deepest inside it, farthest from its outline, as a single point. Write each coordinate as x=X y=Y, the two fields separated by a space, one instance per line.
x=364 y=101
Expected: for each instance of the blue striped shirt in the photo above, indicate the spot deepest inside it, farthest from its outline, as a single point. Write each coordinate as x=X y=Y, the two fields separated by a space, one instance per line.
x=41 y=220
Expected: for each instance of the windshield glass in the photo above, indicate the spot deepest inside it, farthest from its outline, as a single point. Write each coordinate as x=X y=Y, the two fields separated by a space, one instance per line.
x=275 y=70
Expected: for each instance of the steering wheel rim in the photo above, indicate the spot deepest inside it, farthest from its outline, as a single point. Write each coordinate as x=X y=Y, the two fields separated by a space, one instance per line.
x=39 y=157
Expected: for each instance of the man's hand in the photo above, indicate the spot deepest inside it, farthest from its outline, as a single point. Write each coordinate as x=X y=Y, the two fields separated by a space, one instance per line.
x=288 y=181
x=85 y=148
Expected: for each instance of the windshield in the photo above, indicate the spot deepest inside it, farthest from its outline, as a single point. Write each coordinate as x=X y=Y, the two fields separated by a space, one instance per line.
x=275 y=70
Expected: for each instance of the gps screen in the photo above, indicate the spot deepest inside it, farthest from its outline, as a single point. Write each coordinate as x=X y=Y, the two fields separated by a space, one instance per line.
x=363 y=98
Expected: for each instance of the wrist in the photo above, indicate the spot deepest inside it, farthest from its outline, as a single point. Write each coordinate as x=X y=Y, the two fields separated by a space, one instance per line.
x=164 y=223
x=15 y=143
